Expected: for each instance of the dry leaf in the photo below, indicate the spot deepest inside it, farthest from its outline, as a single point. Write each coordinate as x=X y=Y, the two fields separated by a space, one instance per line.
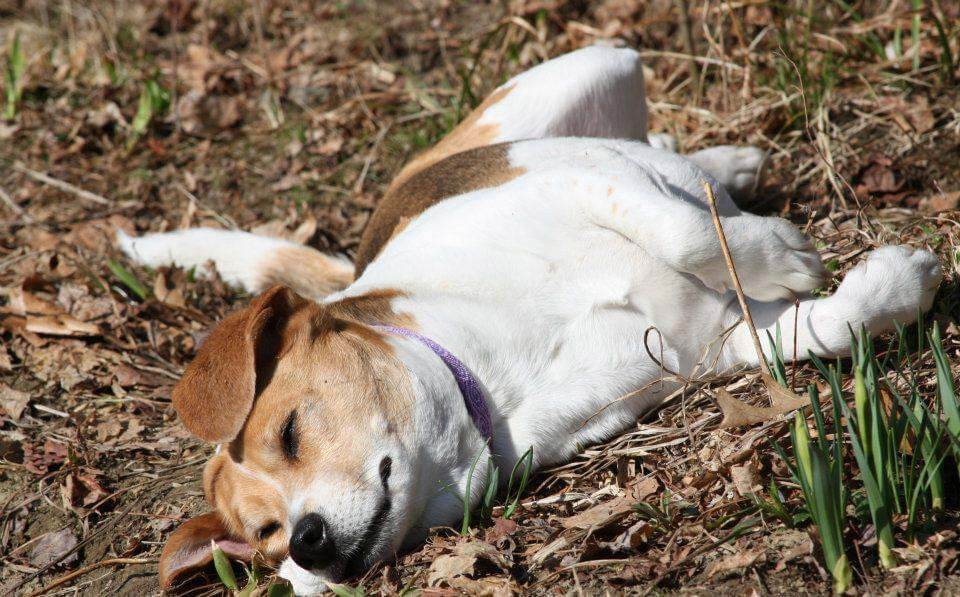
x=52 y=547
x=39 y=461
x=941 y=202
x=13 y=402
x=601 y=515
x=168 y=287
x=744 y=479
x=483 y=587
x=631 y=539
x=879 y=178
x=738 y=414
x=642 y=488
x=790 y=544
x=60 y=325
x=502 y=527
x=23 y=302
x=462 y=561
x=737 y=561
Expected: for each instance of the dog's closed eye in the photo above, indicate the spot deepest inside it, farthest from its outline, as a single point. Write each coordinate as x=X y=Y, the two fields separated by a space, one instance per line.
x=268 y=530
x=289 y=439
x=385 y=466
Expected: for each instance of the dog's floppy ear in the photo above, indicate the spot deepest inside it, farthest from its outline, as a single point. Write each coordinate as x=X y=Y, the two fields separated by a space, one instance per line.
x=217 y=390
x=189 y=548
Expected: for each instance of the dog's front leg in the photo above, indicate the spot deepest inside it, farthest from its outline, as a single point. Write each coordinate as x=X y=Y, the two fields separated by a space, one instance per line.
x=891 y=285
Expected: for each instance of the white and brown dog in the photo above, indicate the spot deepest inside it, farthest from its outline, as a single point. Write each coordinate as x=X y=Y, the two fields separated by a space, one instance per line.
x=499 y=302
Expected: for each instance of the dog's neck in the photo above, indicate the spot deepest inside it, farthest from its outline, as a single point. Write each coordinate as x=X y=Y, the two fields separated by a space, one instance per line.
x=448 y=443
x=449 y=446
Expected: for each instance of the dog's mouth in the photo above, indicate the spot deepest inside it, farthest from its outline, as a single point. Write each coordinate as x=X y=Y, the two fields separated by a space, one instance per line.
x=362 y=555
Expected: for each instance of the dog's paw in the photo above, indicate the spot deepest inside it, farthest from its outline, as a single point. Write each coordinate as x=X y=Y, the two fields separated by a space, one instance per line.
x=779 y=263
x=893 y=282
x=738 y=169
x=662 y=141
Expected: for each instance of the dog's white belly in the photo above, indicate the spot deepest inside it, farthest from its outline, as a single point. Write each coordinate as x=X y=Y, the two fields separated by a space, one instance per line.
x=549 y=308
x=590 y=349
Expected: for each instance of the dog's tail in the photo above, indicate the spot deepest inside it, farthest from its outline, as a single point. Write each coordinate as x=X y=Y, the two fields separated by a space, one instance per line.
x=250 y=261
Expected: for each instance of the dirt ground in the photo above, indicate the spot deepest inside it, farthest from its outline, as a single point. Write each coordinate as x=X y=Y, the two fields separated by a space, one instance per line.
x=289 y=118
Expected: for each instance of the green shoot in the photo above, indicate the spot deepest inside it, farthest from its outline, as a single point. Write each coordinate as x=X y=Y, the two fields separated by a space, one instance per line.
x=154 y=101
x=13 y=78
x=467 y=492
x=915 y=32
x=128 y=280
x=346 y=591
x=820 y=476
x=224 y=569
x=526 y=460
x=493 y=483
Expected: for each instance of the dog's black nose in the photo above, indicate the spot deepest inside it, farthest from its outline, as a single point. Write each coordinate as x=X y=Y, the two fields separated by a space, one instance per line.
x=311 y=546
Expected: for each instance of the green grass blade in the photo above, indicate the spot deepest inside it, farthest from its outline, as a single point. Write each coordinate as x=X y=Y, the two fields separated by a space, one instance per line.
x=13 y=77
x=128 y=279
x=223 y=567
x=876 y=499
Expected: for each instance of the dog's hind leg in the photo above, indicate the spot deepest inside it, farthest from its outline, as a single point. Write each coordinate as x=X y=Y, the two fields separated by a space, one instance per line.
x=665 y=213
x=252 y=262
x=592 y=92
x=891 y=285
x=738 y=168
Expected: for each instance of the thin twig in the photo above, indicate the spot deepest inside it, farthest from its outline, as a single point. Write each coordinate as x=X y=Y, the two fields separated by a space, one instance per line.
x=59 y=184
x=736 y=279
x=101 y=564
x=9 y=202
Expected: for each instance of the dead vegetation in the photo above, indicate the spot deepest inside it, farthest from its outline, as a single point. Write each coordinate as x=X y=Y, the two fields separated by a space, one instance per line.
x=290 y=118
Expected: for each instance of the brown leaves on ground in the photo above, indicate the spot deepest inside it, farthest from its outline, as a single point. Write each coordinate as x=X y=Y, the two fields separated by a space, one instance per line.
x=13 y=402
x=738 y=414
x=295 y=134
x=463 y=561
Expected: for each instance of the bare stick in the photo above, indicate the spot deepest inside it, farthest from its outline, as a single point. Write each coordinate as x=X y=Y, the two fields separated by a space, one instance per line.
x=736 y=279
x=9 y=202
x=102 y=563
x=59 y=184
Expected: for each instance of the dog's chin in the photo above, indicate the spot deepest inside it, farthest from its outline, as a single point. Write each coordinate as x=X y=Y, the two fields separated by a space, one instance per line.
x=304 y=582
x=314 y=582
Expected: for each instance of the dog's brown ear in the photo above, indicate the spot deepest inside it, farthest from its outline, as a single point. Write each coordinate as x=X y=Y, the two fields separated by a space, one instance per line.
x=189 y=548
x=216 y=393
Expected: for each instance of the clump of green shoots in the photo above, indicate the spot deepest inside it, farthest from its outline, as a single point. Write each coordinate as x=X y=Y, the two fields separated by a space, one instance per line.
x=898 y=441
x=818 y=470
x=516 y=485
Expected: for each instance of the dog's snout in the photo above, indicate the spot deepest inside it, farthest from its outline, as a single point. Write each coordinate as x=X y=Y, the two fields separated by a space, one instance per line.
x=311 y=545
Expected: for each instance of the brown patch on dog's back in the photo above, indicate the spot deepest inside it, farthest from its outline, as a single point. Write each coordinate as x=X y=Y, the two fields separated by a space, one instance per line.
x=469 y=134
x=478 y=168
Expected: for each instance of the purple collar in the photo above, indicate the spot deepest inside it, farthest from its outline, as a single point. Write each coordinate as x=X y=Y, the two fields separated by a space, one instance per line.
x=469 y=386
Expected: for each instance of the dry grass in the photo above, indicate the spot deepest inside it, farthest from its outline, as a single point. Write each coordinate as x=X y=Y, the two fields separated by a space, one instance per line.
x=284 y=116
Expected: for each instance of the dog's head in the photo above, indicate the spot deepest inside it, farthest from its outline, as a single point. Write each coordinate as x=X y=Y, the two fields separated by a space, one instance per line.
x=309 y=406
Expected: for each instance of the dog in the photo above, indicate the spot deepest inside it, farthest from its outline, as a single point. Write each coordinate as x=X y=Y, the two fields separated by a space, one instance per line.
x=498 y=302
